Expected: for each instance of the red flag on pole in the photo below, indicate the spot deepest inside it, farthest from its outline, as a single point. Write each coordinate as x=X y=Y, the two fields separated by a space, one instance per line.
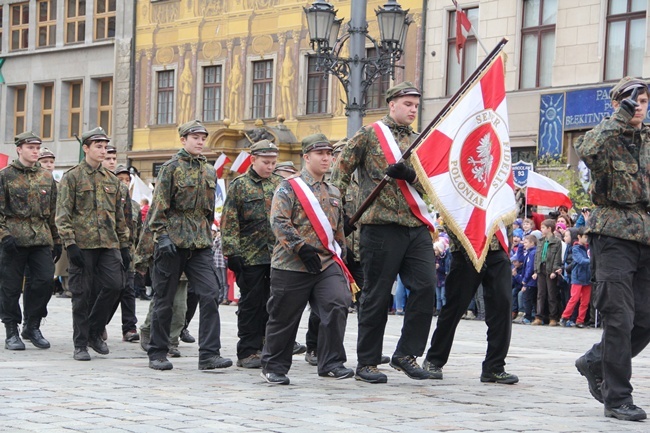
x=464 y=164
x=4 y=160
x=463 y=27
x=221 y=163
x=544 y=191
x=242 y=162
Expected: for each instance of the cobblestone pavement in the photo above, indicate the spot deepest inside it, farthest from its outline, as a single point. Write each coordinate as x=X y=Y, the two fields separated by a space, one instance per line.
x=47 y=391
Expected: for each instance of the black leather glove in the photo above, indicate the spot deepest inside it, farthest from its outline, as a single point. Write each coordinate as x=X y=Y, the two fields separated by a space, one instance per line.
x=401 y=171
x=347 y=227
x=57 y=250
x=9 y=245
x=75 y=256
x=630 y=104
x=236 y=264
x=166 y=246
x=309 y=256
x=126 y=258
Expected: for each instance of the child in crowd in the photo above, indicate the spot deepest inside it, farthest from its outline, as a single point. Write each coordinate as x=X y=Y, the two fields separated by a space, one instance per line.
x=529 y=285
x=443 y=258
x=548 y=265
x=580 y=281
x=528 y=225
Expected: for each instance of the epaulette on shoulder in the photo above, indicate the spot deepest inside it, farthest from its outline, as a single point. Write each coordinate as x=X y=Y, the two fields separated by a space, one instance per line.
x=293 y=176
x=170 y=160
x=238 y=177
x=71 y=168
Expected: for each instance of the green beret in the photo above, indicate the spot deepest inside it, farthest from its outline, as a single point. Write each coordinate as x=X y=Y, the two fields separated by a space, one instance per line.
x=624 y=88
x=285 y=166
x=121 y=168
x=192 y=127
x=315 y=142
x=45 y=153
x=264 y=148
x=402 y=89
x=97 y=134
x=27 y=137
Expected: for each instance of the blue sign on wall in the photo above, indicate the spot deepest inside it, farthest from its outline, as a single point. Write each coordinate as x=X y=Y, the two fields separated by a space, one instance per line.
x=551 y=116
x=520 y=171
x=587 y=108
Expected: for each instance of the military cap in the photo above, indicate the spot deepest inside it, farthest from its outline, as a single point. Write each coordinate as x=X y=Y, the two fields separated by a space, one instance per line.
x=339 y=145
x=286 y=166
x=405 y=88
x=111 y=149
x=624 y=88
x=97 y=134
x=315 y=142
x=121 y=168
x=27 y=137
x=265 y=148
x=46 y=153
x=192 y=127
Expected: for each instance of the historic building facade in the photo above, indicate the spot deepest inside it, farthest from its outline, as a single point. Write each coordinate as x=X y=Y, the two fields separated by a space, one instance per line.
x=246 y=69
x=563 y=57
x=66 y=69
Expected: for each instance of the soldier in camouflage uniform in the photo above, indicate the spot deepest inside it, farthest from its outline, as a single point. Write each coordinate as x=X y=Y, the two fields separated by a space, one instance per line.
x=392 y=241
x=182 y=213
x=617 y=152
x=461 y=285
x=29 y=237
x=247 y=241
x=304 y=270
x=91 y=222
x=134 y=222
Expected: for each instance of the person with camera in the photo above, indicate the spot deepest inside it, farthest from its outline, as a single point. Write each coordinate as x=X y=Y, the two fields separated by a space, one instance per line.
x=617 y=152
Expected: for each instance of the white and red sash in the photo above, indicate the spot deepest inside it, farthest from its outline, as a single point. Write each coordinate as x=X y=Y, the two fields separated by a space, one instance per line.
x=321 y=225
x=393 y=154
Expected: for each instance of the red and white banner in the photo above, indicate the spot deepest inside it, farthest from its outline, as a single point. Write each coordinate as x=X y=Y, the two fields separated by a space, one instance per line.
x=220 y=163
x=463 y=27
x=242 y=162
x=465 y=165
x=4 y=160
x=544 y=191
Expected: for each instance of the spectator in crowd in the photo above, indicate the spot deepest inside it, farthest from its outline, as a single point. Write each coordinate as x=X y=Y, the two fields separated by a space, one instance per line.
x=580 y=281
x=528 y=283
x=548 y=265
x=144 y=208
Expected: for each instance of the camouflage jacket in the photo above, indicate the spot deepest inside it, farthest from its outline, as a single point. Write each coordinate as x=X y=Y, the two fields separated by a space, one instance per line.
x=245 y=227
x=364 y=153
x=143 y=256
x=618 y=156
x=350 y=207
x=127 y=205
x=137 y=222
x=183 y=201
x=89 y=209
x=292 y=228
x=28 y=205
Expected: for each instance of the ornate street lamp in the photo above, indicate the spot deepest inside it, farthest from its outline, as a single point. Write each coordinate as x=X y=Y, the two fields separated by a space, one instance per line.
x=357 y=72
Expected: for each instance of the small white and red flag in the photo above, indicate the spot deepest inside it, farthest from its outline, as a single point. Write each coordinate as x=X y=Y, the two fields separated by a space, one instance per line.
x=465 y=165
x=463 y=27
x=242 y=162
x=544 y=191
x=220 y=163
x=4 y=160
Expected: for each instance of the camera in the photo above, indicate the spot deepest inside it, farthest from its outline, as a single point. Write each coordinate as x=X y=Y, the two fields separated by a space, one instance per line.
x=554 y=214
x=585 y=209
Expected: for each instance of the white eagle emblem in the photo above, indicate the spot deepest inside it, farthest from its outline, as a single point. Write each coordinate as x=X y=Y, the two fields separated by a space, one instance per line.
x=483 y=165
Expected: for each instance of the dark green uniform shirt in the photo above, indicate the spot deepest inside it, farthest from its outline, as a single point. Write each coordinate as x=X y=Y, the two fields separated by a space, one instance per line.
x=90 y=211
x=28 y=205
x=183 y=201
x=364 y=153
x=618 y=156
x=293 y=229
x=245 y=227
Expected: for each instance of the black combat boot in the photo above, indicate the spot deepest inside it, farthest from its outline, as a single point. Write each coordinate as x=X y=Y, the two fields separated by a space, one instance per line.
x=32 y=332
x=13 y=341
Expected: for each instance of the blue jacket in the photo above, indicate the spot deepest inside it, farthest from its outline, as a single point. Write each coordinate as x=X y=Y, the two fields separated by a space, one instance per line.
x=581 y=272
x=529 y=268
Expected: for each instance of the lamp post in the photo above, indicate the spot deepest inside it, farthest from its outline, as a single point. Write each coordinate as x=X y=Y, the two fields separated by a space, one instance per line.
x=357 y=72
